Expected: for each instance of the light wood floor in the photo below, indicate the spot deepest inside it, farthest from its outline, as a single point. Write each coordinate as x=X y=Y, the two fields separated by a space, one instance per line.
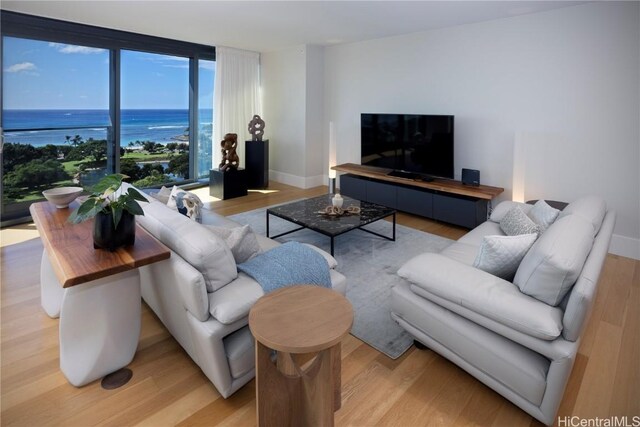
x=420 y=388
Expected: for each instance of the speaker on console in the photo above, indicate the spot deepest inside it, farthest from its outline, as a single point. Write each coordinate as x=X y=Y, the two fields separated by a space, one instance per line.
x=471 y=177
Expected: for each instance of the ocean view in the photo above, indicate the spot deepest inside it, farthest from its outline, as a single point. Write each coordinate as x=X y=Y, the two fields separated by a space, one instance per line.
x=154 y=149
x=161 y=126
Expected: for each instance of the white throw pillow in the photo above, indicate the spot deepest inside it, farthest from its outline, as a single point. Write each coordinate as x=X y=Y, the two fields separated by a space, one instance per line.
x=162 y=195
x=516 y=222
x=543 y=214
x=241 y=240
x=501 y=255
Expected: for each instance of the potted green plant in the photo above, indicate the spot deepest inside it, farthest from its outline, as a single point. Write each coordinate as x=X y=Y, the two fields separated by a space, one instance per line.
x=114 y=213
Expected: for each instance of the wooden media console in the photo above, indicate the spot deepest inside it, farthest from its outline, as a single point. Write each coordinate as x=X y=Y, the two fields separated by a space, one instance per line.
x=444 y=200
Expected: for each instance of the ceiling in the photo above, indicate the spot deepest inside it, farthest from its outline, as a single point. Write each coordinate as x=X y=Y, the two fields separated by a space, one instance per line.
x=273 y=25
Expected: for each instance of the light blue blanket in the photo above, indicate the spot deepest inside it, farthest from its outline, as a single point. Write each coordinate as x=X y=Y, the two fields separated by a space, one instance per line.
x=289 y=264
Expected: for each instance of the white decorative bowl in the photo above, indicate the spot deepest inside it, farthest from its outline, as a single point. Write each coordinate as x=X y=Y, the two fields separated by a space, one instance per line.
x=62 y=196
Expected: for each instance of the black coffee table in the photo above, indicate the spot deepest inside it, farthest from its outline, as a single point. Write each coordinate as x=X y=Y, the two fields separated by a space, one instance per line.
x=305 y=213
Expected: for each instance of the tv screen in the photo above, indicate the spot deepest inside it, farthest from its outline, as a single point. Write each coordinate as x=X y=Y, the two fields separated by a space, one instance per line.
x=420 y=144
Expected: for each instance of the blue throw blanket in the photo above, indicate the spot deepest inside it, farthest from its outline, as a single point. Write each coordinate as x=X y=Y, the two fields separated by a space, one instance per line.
x=289 y=264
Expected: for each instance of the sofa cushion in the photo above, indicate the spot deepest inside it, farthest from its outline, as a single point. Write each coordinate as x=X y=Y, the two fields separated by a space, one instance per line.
x=475 y=236
x=516 y=222
x=483 y=353
x=503 y=207
x=198 y=246
x=501 y=255
x=234 y=301
x=552 y=265
x=580 y=300
x=591 y=208
x=240 y=350
x=543 y=214
x=483 y=293
x=461 y=252
x=241 y=240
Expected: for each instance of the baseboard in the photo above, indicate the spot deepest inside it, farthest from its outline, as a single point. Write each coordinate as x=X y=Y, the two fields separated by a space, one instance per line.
x=297 y=181
x=625 y=246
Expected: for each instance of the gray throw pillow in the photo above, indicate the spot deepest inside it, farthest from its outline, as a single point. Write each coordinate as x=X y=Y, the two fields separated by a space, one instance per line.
x=241 y=240
x=516 y=222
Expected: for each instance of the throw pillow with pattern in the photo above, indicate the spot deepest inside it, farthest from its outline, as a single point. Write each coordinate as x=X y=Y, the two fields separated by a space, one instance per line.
x=186 y=203
x=516 y=222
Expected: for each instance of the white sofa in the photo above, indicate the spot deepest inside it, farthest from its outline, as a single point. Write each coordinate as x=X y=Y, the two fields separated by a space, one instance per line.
x=210 y=324
x=516 y=344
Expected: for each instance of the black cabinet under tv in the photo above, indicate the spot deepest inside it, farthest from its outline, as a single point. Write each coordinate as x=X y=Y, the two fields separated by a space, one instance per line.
x=442 y=200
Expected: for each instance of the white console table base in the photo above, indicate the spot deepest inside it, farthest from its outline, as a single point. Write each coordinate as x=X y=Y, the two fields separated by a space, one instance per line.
x=99 y=322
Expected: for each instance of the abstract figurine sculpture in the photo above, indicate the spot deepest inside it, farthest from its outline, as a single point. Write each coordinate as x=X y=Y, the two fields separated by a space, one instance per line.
x=256 y=128
x=230 y=159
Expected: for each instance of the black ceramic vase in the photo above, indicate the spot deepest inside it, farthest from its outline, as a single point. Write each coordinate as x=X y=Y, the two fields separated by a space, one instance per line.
x=106 y=236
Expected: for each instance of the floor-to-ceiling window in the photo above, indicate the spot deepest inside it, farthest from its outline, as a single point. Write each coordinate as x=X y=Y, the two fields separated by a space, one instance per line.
x=206 y=76
x=55 y=118
x=79 y=102
x=154 y=130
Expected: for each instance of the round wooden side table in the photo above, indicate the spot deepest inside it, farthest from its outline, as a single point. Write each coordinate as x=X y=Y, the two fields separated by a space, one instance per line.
x=305 y=324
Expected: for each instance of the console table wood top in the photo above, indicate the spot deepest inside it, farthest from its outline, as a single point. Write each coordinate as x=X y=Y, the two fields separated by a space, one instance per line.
x=438 y=184
x=71 y=252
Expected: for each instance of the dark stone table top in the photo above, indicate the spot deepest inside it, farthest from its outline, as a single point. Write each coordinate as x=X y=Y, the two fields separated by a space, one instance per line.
x=306 y=213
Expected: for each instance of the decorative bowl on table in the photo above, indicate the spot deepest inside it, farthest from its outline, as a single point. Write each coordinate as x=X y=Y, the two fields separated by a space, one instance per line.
x=62 y=196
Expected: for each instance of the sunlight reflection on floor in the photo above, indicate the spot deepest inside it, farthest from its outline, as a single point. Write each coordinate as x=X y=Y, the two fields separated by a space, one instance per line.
x=18 y=234
x=264 y=191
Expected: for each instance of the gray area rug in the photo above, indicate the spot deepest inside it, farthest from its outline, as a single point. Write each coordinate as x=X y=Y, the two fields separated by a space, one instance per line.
x=370 y=264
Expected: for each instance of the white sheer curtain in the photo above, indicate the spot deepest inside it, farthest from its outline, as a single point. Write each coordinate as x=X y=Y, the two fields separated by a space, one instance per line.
x=236 y=96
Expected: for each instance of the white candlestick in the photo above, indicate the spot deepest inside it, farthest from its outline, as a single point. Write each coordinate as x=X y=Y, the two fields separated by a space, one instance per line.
x=332 y=150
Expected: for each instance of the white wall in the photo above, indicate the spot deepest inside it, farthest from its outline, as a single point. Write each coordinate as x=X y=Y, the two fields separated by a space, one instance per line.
x=564 y=83
x=315 y=141
x=293 y=92
x=283 y=102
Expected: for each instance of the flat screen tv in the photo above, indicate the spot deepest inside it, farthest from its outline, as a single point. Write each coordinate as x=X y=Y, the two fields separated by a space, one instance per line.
x=413 y=145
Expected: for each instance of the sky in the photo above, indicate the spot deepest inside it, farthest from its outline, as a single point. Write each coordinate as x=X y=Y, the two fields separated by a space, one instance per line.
x=44 y=75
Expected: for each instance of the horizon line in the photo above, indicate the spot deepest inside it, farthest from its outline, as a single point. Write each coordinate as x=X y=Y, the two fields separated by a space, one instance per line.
x=94 y=109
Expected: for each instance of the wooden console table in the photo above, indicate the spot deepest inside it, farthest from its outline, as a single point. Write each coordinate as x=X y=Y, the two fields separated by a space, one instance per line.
x=301 y=323
x=441 y=199
x=96 y=293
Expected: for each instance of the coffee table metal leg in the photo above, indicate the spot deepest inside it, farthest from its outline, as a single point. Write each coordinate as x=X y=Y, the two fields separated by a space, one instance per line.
x=393 y=235
x=394 y=227
x=267 y=223
x=331 y=245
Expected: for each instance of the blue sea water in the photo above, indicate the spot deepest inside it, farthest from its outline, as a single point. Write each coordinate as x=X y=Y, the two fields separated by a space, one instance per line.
x=143 y=125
